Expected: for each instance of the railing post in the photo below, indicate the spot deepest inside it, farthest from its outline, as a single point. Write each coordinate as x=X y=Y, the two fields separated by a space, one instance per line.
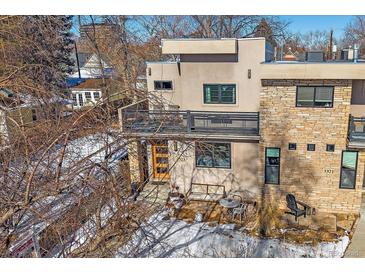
x=188 y=120
x=121 y=118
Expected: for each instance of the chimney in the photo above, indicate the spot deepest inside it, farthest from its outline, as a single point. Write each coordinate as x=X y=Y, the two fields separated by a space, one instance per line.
x=356 y=53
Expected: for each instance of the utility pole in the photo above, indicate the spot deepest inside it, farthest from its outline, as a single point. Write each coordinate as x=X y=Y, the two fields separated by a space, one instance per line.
x=77 y=60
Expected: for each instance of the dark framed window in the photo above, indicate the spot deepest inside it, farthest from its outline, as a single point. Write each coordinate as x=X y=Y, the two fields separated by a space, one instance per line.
x=292 y=146
x=348 y=169
x=311 y=147
x=96 y=95
x=272 y=165
x=330 y=148
x=314 y=96
x=163 y=85
x=74 y=99
x=81 y=100
x=88 y=96
x=216 y=155
x=219 y=94
x=34 y=115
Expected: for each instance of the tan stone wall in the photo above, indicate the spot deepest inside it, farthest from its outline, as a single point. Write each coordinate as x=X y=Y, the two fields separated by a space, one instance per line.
x=135 y=162
x=313 y=176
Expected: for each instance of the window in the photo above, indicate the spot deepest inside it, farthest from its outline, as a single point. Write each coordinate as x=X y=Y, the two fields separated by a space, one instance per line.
x=311 y=147
x=81 y=100
x=34 y=115
x=348 y=169
x=272 y=165
x=96 y=95
x=88 y=96
x=163 y=85
x=74 y=99
x=219 y=94
x=330 y=148
x=213 y=155
x=292 y=146
x=314 y=96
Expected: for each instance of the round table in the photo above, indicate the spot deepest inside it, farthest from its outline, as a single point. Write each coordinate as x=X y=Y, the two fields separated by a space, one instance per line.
x=229 y=203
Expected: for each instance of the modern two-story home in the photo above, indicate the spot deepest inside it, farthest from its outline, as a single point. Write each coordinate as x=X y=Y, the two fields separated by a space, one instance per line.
x=226 y=114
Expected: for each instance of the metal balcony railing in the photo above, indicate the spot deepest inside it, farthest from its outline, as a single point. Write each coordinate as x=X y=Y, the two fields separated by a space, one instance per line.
x=357 y=129
x=191 y=122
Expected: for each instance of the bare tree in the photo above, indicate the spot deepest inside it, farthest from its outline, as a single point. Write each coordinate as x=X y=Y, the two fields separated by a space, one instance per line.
x=355 y=34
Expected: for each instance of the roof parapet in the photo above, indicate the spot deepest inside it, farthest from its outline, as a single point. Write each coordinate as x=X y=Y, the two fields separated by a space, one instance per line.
x=199 y=46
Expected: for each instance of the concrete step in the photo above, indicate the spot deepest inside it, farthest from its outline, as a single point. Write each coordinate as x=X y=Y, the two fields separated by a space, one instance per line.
x=155 y=193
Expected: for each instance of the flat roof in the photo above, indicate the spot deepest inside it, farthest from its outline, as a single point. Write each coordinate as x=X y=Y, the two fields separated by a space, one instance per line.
x=313 y=70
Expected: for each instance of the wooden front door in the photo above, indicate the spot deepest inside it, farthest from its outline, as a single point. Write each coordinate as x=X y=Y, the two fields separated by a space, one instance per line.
x=160 y=160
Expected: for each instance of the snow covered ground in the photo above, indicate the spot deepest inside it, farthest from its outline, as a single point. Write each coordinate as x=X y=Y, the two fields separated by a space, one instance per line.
x=161 y=237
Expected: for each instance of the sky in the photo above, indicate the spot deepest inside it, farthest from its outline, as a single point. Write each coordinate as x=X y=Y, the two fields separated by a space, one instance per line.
x=305 y=23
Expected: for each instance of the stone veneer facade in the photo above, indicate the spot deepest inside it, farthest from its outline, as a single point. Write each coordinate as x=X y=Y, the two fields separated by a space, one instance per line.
x=313 y=176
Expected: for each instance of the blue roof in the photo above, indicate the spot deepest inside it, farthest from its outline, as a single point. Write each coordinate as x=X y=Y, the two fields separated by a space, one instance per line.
x=71 y=82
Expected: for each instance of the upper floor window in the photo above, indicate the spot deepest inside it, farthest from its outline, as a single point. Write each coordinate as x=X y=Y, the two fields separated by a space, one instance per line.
x=219 y=94
x=161 y=85
x=314 y=96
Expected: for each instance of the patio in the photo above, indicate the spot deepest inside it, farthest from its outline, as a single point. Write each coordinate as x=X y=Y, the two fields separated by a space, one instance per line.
x=270 y=223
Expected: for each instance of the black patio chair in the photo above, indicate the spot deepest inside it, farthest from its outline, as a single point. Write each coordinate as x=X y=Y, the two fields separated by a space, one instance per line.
x=292 y=204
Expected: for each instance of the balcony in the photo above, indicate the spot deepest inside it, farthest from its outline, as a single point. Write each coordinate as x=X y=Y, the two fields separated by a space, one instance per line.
x=356 y=135
x=170 y=123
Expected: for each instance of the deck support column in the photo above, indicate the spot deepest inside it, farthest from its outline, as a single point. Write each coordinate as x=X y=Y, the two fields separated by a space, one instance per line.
x=135 y=165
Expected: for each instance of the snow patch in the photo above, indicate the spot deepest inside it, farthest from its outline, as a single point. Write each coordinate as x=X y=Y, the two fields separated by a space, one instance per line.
x=163 y=237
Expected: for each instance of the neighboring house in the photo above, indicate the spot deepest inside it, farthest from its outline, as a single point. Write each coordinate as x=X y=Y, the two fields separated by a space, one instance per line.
x=17 y=111
x=85 y=92
x=88 y=91
x=13 y=112
x=89 y=66
x=236 y=118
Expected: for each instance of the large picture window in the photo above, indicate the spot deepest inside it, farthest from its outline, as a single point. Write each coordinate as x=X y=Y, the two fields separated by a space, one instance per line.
x=272 y=165
x=219 y=94
x=314 y=97
x=348 y=169
x=213 y=155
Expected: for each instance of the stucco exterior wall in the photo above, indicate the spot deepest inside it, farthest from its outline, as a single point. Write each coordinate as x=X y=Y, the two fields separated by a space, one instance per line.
x=242 y=176
x=313 y=176
x=188 y=86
